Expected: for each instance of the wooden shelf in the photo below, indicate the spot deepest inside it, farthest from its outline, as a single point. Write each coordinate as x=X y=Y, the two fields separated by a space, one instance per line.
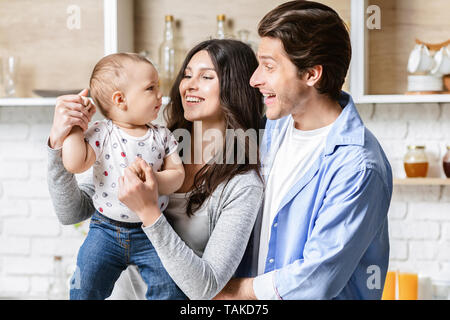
x=40 y=102
x=27 y=102
x=422 y=181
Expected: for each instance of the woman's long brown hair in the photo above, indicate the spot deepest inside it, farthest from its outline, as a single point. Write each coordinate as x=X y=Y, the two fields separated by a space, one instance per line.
x=242 y=105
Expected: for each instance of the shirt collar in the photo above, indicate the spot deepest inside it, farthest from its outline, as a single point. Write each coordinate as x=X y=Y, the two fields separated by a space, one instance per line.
x=348 y=129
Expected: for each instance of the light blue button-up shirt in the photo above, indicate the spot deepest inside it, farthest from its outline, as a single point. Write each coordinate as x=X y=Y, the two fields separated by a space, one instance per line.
x=329 y=238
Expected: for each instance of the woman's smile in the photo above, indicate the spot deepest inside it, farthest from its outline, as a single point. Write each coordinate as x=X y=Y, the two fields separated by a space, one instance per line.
x=193 y=100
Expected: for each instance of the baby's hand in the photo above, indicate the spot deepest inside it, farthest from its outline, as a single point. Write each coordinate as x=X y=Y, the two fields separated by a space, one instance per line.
x=140 y=197
x=138 y=169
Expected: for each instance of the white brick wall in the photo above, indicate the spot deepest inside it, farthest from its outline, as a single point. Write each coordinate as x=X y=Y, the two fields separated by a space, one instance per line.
x=419 y=216
x=30 y=235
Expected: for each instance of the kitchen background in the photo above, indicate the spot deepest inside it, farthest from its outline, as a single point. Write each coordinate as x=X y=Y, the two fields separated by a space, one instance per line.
x=54 y=54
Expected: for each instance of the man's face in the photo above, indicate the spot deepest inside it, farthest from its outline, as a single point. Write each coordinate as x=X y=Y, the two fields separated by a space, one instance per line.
x=277 y=79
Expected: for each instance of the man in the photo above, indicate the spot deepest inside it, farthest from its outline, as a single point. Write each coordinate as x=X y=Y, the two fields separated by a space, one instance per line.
x=324 y=230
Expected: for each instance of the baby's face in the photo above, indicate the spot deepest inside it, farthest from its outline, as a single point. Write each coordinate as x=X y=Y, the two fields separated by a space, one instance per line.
x=143 y=97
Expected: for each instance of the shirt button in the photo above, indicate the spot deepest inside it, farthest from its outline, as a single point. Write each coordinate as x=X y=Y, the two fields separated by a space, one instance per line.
x=275 y=225
x=270 y=260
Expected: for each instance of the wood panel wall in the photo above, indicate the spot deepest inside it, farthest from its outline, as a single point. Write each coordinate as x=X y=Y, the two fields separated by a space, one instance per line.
x=196 y=20
x=54 y=57
x=51 y=56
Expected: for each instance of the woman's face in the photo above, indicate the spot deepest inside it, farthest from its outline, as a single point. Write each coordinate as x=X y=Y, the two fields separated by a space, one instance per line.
x=200 y=90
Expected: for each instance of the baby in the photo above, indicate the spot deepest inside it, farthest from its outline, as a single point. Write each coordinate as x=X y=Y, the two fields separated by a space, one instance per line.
x=124 y=87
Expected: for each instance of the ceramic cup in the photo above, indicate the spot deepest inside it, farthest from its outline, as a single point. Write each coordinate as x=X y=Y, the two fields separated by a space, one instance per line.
x=420 y=59
x=442 y=62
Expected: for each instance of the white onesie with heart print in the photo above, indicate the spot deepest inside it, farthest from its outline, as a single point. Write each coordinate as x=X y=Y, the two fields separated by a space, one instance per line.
x=115 y=150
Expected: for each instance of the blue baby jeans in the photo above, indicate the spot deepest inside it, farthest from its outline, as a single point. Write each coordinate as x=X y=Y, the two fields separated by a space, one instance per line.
x=109 y=248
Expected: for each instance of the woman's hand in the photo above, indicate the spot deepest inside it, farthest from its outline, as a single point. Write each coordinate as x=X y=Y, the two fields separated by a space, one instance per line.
x=71 y=110
x=140 y=196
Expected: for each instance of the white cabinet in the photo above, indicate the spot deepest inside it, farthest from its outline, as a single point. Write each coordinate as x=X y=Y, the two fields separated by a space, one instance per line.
x=378 y=70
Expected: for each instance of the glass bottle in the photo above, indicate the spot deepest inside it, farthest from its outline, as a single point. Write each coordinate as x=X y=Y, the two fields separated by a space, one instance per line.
x=58 y=289
x=10 y=73
x=446 y=163
x=146 y=55
x=220 y=29
x=415 y=162
x=243 y=35
x=167 y=57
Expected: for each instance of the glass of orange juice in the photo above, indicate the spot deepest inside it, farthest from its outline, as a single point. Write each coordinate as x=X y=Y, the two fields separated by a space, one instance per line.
x=389 y=286
x=407 y=285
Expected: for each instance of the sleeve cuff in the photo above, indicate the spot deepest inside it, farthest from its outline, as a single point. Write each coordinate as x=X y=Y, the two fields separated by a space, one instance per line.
x=50 y=149
x=264 y=287
x=155 y=224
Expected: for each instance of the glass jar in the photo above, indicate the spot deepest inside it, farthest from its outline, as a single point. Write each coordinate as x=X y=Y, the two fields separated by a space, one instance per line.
x=415 y=162
x=446 y=163
x=243 y=35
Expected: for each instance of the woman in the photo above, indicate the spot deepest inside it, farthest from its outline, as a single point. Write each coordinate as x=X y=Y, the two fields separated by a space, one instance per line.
x=211 y=216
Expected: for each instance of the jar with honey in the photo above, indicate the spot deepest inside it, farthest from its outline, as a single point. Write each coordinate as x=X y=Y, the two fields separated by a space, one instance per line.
x=416 y=162
x=446 y=163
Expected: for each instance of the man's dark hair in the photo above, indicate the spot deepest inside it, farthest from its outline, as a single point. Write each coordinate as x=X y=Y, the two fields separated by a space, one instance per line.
x=312 y=34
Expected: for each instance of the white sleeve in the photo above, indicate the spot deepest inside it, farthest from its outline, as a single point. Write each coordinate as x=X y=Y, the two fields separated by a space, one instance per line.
x=169 y=140
x=96 y=135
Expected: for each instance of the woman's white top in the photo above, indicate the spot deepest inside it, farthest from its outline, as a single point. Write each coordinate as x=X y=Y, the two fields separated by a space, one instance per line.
x=194 y=230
